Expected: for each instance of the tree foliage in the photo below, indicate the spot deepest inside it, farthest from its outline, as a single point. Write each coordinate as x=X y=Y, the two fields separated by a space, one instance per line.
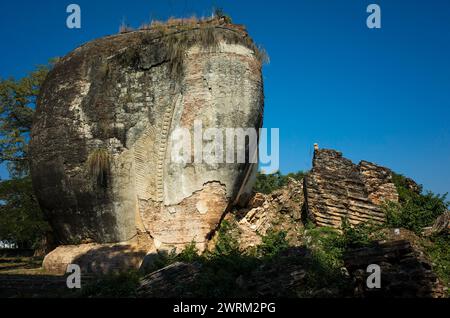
x=415 y=210
x=21 y=220
x=267 y=183
x=17 y=105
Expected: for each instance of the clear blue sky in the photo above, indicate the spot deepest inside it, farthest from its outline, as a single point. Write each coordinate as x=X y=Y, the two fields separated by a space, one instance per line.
x=379 y=95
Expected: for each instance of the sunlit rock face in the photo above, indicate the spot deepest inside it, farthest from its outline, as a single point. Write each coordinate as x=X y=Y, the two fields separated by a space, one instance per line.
x=121 y=97
x=336 y=188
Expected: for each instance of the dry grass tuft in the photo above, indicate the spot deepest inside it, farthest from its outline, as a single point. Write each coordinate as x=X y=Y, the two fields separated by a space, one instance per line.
x=206 y=32
x=125 y=28
x=98 y=164
x=261 y=54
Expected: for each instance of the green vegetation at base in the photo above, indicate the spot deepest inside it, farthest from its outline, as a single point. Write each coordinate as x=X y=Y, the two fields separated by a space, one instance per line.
x=362 y=234
x=438 y=250
x=21 y=220
x=224 y=266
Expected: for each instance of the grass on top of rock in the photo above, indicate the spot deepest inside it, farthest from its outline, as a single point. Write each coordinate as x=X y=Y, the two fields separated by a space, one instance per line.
x=180 y=34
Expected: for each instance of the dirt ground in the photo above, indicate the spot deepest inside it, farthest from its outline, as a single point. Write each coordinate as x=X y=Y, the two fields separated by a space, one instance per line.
x=23 y=276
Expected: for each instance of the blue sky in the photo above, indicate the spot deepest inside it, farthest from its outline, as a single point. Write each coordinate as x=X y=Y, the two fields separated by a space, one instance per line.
x=382 y=95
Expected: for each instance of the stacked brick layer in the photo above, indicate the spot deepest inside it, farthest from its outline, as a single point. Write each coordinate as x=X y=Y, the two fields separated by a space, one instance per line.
x=337 y=188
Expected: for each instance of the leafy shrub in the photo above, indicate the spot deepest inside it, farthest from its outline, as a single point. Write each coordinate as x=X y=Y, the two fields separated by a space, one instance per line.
x=226 y=243
x=189 y=254
x=222 y=266
x=439 y=253
x=272 y=244
x=414 y=210
x=327 y=246
x=360 y=235
x=21 y=219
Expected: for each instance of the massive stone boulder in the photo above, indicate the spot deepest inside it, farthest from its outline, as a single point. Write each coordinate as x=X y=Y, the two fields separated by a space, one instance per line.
x=100 y=143
x=336 y=188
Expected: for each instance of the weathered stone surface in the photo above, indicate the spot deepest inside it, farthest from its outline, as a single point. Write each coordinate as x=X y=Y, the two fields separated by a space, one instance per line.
x=120 y=94
x=169 y=281
x=405 y=272
x=279 y=211
x=442 y=224
x=99 y=258
x=378 y=183
x=413 y=186
x=337 y=188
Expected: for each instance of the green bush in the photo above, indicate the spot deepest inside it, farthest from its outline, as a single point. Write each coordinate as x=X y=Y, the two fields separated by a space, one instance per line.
x=189 y=254
x=222 y=267
x=267 y=183
x=360 y=235
x=327 y=247
x=226 y=243
x=273 y=243
x=414 y=211
x=439 y=253
x=21 y=219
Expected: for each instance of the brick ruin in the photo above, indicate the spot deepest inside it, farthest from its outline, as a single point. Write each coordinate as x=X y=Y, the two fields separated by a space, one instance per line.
x=336 y=188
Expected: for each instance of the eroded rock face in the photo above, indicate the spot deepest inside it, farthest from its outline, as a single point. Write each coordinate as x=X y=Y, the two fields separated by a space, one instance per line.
x=278 y=211
x=120 y=94
x=337 y=188
x=441 y=225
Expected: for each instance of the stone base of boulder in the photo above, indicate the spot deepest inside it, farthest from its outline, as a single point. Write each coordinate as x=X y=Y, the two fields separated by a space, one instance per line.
x=96 y=258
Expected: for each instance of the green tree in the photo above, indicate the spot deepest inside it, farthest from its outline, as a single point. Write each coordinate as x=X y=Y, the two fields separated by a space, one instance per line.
x=415 y=209
x=21 y=220
x=17 y=105
x=267 y=183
